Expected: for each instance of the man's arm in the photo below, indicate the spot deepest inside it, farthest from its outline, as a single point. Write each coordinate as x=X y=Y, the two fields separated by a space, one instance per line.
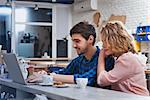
x=91 y=75
x=63 y=78
x=65 y=75
x=68 y=70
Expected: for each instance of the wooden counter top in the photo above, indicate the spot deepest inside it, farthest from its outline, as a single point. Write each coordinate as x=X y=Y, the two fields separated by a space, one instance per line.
x=42 y=62
x=61 y=64
x=48 y=63
x=147 y=71
x=48 y=59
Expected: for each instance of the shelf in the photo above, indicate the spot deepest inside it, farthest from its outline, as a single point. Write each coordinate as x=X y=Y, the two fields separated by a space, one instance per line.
x=143 y=34
x=143 y=38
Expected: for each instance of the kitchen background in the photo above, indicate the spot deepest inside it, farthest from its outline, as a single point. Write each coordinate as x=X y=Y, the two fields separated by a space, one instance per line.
x=136 y=11
x=68 y=12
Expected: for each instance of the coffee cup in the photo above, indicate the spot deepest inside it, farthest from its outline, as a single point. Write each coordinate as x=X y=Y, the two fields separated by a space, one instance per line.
x=82 y=82
x=46 y=79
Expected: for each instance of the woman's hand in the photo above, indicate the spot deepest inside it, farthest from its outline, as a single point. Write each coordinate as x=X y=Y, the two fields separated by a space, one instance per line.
x=102 y=53
x=101 y=61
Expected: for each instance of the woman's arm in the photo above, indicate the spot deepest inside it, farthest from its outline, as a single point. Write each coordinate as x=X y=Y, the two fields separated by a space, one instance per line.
x=101 y=62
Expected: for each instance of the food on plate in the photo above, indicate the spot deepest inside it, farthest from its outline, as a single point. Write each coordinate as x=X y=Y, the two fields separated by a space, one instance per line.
x=58 y=83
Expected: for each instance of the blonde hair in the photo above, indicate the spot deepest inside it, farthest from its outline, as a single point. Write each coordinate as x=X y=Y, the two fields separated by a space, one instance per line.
x=115 y=34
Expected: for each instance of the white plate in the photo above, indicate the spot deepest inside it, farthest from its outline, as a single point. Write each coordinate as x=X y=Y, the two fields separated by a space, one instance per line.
x=46 y=84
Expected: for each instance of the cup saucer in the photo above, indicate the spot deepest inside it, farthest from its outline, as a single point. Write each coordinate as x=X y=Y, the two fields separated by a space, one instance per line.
x=46 y=84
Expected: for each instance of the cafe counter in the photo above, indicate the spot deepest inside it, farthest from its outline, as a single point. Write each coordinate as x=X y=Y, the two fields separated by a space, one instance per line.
x=69 y=93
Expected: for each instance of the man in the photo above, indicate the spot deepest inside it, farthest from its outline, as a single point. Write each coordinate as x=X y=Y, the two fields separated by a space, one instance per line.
x=85 y=65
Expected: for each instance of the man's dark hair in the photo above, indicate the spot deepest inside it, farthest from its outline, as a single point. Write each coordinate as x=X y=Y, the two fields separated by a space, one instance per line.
x=84 y=29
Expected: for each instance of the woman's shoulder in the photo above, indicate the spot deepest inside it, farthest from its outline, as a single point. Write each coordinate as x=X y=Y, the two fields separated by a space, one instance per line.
x=129 y=56
x=130 y=59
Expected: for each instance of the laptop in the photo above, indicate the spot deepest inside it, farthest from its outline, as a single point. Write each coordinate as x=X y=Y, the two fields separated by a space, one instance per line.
x=14 y=69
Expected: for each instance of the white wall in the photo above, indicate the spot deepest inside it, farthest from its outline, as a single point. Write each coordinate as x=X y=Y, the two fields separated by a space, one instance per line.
x=63 y=20
x=63 y=24
x=2 y=2
x=136 y=11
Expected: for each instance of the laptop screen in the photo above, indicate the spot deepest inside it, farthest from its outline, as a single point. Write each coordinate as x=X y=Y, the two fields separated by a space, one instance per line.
x=14 y=68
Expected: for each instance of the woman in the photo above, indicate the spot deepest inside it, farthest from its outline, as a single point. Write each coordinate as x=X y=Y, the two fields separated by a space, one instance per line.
x=128 y=72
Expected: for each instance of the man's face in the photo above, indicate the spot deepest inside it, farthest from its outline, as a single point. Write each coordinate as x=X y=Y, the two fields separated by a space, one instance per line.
x=79 y=43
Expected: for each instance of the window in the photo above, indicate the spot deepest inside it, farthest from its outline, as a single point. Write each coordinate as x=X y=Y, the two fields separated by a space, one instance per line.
x=33 y=30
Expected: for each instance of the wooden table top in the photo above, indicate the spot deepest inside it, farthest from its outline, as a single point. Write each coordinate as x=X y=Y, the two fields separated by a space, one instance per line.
x=42 y=62
x=48 y=63
x=61 y=64
x=147 y=71
x=48 y=59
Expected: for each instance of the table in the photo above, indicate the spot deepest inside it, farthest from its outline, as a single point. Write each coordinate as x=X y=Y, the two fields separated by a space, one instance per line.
x=61 y=64
x=47 y=63
x=48 y=59
x=43 y=65
x=71 y=93
x=147 y=71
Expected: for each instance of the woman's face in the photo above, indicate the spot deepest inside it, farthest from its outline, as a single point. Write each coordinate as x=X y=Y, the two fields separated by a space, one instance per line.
x=107 y=48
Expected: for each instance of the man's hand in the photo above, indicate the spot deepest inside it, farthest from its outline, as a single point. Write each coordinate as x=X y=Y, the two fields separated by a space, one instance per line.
x=42 y=72
x=36 y=76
